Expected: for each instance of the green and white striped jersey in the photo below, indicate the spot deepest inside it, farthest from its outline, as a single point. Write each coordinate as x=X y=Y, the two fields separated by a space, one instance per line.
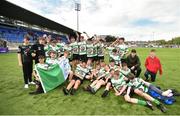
x=75 y=48
x=101 y=72
x=61 y=47
x=90 y=52
x=125 y=72
x=81 y=71
x=47 y=48
x=118 y=83
x=69 y=49
x=115 y=67
x=50 y=61
x=137 y=83
x=110 y=50
x=116 y=58
x=123 y=49
x=82 y=48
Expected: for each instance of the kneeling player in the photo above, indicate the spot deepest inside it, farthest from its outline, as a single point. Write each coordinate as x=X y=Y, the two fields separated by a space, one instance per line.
x=41 y=65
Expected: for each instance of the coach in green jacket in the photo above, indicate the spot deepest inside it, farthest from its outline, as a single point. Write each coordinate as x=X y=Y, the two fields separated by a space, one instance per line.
x=134 y=63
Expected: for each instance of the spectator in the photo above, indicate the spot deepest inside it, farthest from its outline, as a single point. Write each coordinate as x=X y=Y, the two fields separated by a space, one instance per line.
x=152 y=65
x=134 y=63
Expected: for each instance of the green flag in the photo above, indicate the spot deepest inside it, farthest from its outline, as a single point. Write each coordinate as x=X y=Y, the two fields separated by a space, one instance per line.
x=51 y=77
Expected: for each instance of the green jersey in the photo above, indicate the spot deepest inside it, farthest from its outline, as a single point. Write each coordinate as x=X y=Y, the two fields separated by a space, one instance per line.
x=82 y=48
x=69 y=49
x=137 y=83
x=125 y=72
x=90 y=52
x=75 y=48
x=123 y=49
x=115 y=67
x=101 y=72
x=116 y=58
x=47 y=48
x=50 y=61
x=81 y=71
x=110 y=50
x=89 y=67
x=118 y=83
x=61 y=48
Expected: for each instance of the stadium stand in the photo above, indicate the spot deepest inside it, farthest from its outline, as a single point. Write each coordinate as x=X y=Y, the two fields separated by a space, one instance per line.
x=16 y=21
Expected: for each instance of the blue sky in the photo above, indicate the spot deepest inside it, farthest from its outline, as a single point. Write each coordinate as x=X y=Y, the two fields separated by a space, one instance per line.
x=144 y=22
x=133 y=19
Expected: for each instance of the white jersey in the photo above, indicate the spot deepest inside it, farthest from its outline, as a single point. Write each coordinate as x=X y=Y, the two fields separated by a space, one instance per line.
x=65 y=62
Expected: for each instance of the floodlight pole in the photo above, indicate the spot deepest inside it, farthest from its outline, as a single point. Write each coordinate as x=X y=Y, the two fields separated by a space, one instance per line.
x=77 y=8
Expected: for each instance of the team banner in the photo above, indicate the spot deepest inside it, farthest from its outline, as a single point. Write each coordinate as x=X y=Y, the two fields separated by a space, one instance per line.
x=51 y=77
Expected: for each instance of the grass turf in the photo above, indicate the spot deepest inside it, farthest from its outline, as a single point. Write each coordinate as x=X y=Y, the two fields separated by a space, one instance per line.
x=14 y=99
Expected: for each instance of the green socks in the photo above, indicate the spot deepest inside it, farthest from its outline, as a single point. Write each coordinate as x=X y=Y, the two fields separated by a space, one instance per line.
x=141 y=102
x=156 y=102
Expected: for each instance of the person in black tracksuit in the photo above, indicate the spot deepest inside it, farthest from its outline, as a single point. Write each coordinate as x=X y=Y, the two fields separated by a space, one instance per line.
x=38 y=49
x=25 y=60
x=134 y=63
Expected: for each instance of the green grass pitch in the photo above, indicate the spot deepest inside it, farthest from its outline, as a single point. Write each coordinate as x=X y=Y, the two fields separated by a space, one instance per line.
x=14 y=99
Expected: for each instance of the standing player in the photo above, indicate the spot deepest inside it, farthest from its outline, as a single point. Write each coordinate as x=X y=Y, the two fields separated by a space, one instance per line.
x=122 y=49
x=75 y=51
x=100 y=51
x=61 y=47
x=95 y=50
x=89 y=50
x=25 y=60
x=82 y=49
x=38 y=49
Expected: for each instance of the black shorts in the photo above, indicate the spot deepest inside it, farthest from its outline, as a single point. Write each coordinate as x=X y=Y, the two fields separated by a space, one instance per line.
x=83 y=57
x=109 y=80
x=103 y=78
x=70 y=59
x=75 y=57
x=77 y=78
x=123 y=61
x=95 y=58
x=100 y=58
